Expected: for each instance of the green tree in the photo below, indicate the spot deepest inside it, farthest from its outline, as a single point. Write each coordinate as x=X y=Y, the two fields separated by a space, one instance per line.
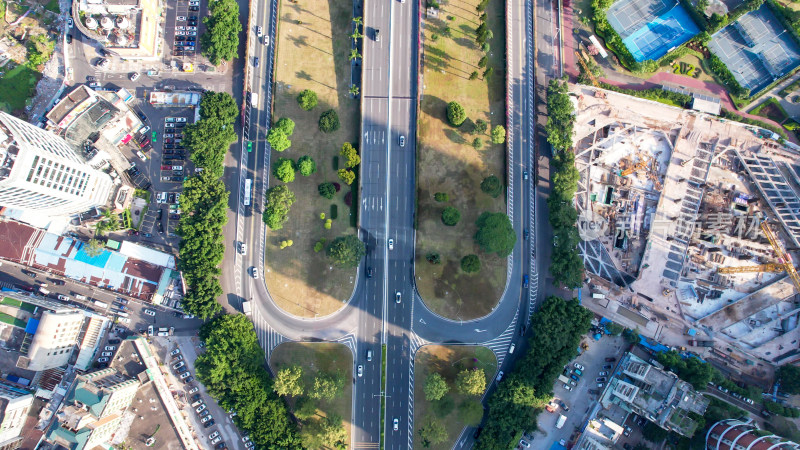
x=477 y=143
x=327 y=190
x=654 y=433
x=325 y=432
x=347 y=175
x=351 y=155
x=483 y=61
x=283 y=169
x=329 y=121
x=278 y=140
x=471 y=382
x=471 y=264
x=481 y=126
x=347 y=251
x=789 y=378
x=221 y=39
x=560 y=115
x=305 y=408
x=286 y=125
x=94 y=248
x=632 y=336
x=219 y=106
x=614 y=328
x=470 y=412
x=289 y=381
x=327 y=386
x=487 y=74
x=307 y=99
x=354 y=54
x=354 y=90
x=209 y=141
x=279 y=201
x=432 y=432
x=474 y=75
x=495 y=234
x=306 y=166
x=456 y=114
x=450 y=216
x=498 y=134
x=435 y=387
x=441 y=197
x=433 y=258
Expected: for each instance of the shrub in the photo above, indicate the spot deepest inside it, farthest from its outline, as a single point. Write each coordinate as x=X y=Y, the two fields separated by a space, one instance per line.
x=307 y=99
x=286 y=125
x=347 y=175
x=477 y=143
x=334 y=212
x=350 y=154
x=278 y=140
x=321 y=216
x=328 y=224
x=471 y=264
x=433 y=258
x=474 y=75
x=319 y=245
x=492 y=186
x=487 y=74
x=481 y=126
x=483 y=61
x=326 y=190
x=451 y=216
x=329 y=121
x=441 y=197
x=498 y=134
x=456 y=114
x=286 y=243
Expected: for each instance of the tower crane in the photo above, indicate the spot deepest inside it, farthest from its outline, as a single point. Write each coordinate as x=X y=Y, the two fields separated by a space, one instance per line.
x=784 y=265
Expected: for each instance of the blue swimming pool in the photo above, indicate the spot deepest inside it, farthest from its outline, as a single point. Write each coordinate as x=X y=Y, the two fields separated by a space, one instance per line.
x=658 y=37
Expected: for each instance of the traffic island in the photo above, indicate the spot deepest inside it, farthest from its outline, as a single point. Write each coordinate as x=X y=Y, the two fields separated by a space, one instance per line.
x=315 y=379
x=463 y=102
x=313 y=91
x=449 y=381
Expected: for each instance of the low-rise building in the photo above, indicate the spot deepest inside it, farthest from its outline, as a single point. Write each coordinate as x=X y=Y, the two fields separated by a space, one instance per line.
x=15 y=401
x=730 y=434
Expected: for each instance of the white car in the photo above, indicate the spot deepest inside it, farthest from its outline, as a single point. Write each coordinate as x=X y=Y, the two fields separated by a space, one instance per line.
x=397 y=297
x=150 y=312
x=134 y=76
x=70 y=23
x=63 y=297
x=500 y=375
x=213 y=435
x=567 y=387
x=180 y=33
x=391 y=244
x=360 y=370
x=200 y=408
x=185 y=375
x=191 y=29
x=106 y=354
x=178 y=365
x=175 y=352
x=194 y=389
x=110 y=348
x=579 y=367
x=259 y=31
x=169 y=125
x=191 y=33
x=402 y=141
x=181 y=28
x=181 y=18
x=395 y=424
x=254 y=271
x=206 y=418
x=181 y=119
x=216 y=439
x=102 y=360
x=124 y=320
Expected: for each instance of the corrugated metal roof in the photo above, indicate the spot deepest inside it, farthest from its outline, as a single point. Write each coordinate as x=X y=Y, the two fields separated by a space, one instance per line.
x=147 y=254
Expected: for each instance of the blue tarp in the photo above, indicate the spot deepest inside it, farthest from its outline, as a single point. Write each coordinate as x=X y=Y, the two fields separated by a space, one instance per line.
x=32 y=326
x=691 y=332
x=5 y=289
x=557 y=446
x=656 y=347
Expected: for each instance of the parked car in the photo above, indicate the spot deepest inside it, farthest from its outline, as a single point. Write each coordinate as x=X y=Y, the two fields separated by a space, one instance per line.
x=603 y=374
x=579 y=367
x=150 y=312
x=611 y=359
x=600 y=379
x=63 y=298
x=186 y=375
x=208 y=424
x=194 y=389
x=213 y=435
x=575 y=377
x=106 y=354
x=567 y=387
x=102 y=360
x=178 y=365
x=175 y=352
x=200 y=408
x=110 y=348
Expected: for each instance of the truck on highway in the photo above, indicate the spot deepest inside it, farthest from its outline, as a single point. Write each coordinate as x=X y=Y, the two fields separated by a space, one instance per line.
x=253 y=98
x=562 y=419
x=246 y=308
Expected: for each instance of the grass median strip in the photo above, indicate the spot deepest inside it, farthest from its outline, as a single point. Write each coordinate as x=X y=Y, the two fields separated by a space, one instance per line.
x=463 y=103
x=312 y=73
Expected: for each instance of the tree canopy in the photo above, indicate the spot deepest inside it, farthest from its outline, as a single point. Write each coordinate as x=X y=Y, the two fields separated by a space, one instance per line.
x=789 y=378
x=286 y=125
x=289 y=381
x=435 y=387
x=327 y=190
x=329 y=121
x=456 y=114
x=471 y=264
x=307 y=99
x=220 y=42
x=347 y=251
x=220 y=106
x=432 y=432
x=306 y=166
x=279 y=201
x=350 y=154
x=498 y=134
x=283 y=169
x=471 y=382
x=278 y=140
x=451 y=216
x=495 y=234
x=232 y=370
x=492 y=186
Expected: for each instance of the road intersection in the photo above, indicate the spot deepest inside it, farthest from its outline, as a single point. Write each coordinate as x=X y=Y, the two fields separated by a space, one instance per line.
x=372 y=317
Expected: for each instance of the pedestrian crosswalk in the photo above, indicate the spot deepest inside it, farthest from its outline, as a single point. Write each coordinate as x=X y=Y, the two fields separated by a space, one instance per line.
x=357 y=445
x=500 y=344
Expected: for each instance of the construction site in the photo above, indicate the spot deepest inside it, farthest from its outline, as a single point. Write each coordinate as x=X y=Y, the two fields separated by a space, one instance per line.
x=687 y=224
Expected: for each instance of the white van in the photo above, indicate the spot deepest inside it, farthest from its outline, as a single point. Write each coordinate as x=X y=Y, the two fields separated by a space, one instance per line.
x=80 y=297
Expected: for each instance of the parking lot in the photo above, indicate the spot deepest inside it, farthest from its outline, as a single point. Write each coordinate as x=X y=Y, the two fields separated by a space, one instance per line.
x=183 y=28
x=584 y=393
x=174 y=351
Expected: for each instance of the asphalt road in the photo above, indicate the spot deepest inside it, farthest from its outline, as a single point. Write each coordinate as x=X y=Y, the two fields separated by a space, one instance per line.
x=389 y=92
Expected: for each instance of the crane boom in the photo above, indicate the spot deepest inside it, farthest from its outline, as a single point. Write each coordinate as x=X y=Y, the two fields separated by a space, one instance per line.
x=782 y=255
x=759 y=268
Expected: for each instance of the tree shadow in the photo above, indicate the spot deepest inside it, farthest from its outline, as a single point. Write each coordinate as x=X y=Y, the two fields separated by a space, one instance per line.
x=455 y=137
x=435 y=107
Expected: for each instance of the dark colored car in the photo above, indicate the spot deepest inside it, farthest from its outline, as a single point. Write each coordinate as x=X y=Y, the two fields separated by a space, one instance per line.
x=194 y=8
x=575 y=377
x=369 y=272
x=611 y=359
x=69 y=39
x=210 y=423
x=59 y=282
x=176 y=178
x=29 y=273
x=169 y=145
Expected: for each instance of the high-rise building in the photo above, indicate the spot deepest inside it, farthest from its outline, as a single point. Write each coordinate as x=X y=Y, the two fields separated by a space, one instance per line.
x=54 y=339
x=39 y=171
x=93 y=409
x=15 y=401
x=733 y=434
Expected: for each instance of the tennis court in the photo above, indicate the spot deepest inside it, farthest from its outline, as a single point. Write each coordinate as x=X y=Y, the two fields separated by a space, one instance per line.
x=651 y=28
x=757 y=49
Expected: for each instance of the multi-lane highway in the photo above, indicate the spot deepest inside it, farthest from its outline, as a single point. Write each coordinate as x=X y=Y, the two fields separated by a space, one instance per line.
x=374 y=316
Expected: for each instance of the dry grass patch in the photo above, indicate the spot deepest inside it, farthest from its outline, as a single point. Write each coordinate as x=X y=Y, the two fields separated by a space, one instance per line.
x=313 y=50
x=448 y=163
x=447 y=361
x=319 y=358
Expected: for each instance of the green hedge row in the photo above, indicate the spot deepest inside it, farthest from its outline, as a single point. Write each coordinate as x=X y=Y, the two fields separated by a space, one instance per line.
x=656 y=94
x=737 y=118
x=785 y=411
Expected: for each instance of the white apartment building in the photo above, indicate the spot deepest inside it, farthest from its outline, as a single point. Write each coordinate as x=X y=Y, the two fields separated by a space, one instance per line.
x=39 y=171
x=15 y=401
x=54 y=340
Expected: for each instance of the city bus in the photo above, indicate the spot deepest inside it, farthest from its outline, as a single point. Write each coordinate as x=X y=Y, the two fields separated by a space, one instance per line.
x=248 y=184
